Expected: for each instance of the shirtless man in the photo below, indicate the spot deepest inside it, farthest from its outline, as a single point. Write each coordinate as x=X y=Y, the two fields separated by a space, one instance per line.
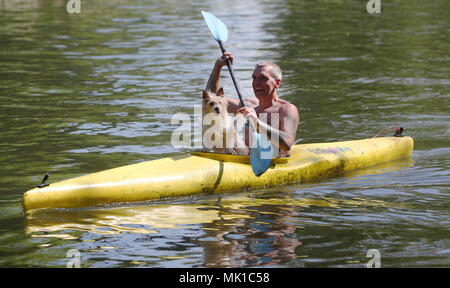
x=266 y=80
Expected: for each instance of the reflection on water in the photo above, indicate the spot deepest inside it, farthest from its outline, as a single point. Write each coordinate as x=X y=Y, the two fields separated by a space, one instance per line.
x=232 y=230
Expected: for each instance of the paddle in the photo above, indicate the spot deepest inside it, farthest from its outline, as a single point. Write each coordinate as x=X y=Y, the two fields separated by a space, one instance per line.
x=261 y=155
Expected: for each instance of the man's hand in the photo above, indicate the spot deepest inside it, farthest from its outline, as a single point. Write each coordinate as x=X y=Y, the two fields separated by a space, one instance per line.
x=250 y=114
x=222 y=61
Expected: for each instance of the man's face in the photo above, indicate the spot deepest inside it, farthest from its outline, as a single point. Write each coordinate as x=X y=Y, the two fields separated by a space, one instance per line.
x=263 y=82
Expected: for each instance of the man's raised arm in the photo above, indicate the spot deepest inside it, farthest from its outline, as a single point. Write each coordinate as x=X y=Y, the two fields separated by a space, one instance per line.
x=213 y=84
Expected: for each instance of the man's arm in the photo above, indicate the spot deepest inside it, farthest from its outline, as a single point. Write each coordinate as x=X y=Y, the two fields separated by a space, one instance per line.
x=234 y=104
x=213 y=81
x=288 y=128
x=283 y=138
x=214 y=84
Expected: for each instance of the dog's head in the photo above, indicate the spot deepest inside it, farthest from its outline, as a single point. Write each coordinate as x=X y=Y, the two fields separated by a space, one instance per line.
x=214 y=102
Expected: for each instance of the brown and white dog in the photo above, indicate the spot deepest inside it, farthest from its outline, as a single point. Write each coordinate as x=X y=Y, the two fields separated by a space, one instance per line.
x=219 y=129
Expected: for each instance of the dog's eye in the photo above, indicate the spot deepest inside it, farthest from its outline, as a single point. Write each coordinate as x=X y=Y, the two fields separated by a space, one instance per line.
x=211 y=104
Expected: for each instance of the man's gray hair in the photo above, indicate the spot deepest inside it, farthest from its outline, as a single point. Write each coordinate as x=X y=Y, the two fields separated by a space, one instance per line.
x=275 y=70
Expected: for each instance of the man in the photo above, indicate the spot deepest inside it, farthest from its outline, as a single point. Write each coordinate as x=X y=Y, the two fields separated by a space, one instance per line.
x=266 y=81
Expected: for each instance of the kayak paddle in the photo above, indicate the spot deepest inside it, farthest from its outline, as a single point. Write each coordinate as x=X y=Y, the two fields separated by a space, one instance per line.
x=261 y=155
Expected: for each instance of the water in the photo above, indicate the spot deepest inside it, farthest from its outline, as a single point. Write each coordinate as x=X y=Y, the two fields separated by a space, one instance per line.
x=81 y=93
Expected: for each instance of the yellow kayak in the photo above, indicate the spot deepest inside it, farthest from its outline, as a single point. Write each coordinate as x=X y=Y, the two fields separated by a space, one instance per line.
x=199 y=173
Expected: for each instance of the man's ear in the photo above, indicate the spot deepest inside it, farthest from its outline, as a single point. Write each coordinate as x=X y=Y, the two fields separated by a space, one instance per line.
x=205 y=95
x=220 y=92
x=278 y=81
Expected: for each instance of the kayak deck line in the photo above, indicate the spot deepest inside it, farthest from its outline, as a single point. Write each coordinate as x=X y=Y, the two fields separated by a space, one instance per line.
x=202 y=172
x=219 y=178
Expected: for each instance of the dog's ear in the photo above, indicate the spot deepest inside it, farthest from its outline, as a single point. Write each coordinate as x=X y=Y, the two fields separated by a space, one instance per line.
x=205 y=95
x=220 y=92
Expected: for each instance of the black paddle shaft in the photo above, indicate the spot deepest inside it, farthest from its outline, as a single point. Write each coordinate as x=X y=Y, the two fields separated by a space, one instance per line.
x=230 y=68
x=236 y=85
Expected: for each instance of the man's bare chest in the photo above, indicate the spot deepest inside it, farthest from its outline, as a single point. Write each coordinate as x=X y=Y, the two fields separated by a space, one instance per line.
x=268 y=115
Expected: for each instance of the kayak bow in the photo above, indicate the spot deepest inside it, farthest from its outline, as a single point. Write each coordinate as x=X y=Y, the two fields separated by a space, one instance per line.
x=213 y=173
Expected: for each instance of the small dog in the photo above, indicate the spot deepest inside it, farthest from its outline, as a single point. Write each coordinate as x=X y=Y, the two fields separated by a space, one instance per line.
x=219 y=130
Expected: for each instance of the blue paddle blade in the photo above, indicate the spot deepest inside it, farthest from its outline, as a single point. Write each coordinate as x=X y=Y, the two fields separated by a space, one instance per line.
x=261 y=155
x=217 y=28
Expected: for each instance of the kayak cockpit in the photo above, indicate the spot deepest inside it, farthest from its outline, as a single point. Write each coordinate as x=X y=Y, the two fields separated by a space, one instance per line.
x=243 y=159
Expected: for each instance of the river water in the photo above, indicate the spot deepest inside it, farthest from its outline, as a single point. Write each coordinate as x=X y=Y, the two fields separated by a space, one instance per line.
x=89 y=91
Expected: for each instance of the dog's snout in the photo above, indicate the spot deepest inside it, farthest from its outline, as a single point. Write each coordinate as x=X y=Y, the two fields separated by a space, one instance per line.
x=217 y=109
